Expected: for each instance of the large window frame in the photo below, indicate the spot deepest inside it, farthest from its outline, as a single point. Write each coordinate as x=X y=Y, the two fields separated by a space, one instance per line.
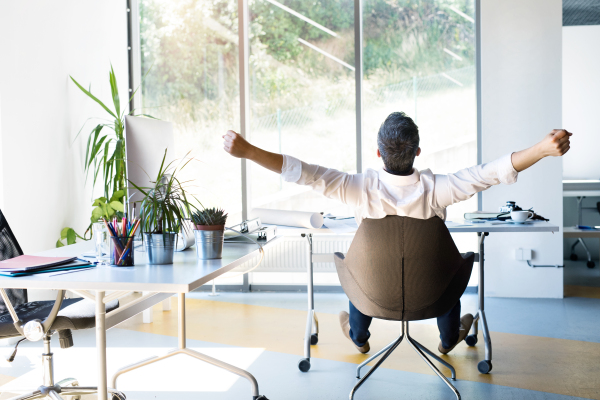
x=135 y=80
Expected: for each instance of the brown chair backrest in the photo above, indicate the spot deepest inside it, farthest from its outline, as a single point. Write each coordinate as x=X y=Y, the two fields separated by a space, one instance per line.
x=402 y=268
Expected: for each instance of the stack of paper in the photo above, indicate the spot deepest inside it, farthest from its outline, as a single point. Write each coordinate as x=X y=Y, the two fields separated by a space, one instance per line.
x=28 y=265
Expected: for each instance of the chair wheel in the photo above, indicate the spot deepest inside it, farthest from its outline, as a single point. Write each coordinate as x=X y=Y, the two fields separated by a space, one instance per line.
x=261 y=397
x=119 y=397
x=590 y=264
x=314 y=339
x=471 y=340
x=573 y=257
x=484 y=366
x=304 y=365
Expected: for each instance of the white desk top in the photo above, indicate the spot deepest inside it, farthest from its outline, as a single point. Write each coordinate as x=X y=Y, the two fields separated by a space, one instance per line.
x=184 y=275
x=581 y=188
x=488 y=226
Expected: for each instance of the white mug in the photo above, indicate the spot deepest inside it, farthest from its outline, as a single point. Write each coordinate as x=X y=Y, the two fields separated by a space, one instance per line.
x=520 y=216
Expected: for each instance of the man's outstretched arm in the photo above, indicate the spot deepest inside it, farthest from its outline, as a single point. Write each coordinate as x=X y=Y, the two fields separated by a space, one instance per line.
x=329 y=182
x=555 y=144
x=462 y=185
x=239 y=147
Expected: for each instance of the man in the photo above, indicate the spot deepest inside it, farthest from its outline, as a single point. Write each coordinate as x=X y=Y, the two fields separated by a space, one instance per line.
x=399 y=189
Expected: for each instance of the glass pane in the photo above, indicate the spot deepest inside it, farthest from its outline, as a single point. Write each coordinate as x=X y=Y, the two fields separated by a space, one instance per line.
x=419 y=58
x=303 y=95
x=190 y=54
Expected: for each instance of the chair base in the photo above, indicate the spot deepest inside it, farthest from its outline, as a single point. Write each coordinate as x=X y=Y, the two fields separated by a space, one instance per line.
x=419 y=348
x=58 y=392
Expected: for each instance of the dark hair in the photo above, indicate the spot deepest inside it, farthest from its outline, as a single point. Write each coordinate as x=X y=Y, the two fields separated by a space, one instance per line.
x=398 y=142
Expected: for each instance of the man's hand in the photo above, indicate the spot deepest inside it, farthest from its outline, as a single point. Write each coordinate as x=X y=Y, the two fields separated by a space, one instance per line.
x=555 y=144
x=236 y=145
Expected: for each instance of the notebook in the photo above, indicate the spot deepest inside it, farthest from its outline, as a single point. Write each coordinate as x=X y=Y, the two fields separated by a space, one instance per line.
x=56 y=268
x=31 y=263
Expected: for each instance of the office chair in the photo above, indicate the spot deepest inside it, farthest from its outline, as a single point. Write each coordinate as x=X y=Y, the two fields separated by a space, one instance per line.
x=573 y=256
x=39 y=320
x=404 y=269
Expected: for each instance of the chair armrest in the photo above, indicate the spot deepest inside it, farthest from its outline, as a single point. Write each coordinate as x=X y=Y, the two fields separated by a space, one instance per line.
x=11 y=310
x=48 y=321
x=54 y=312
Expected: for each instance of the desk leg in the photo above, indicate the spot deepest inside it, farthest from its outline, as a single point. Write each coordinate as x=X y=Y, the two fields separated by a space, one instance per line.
x=101 y=345
x=182 y=349
x=311 y=332
x=484 y=366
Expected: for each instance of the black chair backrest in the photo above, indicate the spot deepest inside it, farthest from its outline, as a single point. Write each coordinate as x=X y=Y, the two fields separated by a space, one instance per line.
x=402 y=268
x=9 y=248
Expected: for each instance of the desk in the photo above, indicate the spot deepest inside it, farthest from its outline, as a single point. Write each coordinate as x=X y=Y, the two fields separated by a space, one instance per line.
x=160 y=281
x=482 y=230
x=581 y=189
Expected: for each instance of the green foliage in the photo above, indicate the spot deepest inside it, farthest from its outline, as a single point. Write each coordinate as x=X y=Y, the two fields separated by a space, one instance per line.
x=209 y=216
x=165 y=205
x=105 y=157
x=69 y=235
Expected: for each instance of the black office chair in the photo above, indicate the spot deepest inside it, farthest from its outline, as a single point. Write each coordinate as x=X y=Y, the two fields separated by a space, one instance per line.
x=404 y=269
x=39 y=320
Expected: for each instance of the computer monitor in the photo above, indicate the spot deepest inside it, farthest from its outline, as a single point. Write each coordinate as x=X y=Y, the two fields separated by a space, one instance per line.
x=146 y=140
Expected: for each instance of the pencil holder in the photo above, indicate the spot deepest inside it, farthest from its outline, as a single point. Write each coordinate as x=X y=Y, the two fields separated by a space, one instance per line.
x=121 y=251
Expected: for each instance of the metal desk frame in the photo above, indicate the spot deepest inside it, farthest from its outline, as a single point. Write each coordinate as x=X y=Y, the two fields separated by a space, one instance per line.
x=484 y=366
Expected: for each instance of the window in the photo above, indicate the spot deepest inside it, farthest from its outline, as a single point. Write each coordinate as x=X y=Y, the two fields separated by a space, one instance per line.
x=302 y=94
x=189 y=51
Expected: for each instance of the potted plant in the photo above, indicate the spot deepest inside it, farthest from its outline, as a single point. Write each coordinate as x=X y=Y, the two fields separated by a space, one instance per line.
x=105 y=160
x=209 y=231
x=162 y=213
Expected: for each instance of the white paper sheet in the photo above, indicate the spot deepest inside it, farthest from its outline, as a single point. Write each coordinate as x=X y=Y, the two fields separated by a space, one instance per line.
x=302 y=219
x=341 y=225
x=185 y=238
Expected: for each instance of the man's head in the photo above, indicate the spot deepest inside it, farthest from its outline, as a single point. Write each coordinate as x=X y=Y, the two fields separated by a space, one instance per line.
x=398 y=143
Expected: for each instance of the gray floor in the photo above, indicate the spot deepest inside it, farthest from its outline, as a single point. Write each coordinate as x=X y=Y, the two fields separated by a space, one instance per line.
x=329 y=380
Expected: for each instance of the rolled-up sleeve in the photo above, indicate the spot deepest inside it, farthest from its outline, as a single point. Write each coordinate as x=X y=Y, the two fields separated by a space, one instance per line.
x=334 y=184
x=462 y=185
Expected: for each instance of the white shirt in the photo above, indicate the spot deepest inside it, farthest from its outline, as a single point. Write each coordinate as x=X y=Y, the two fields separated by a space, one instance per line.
x=375 y=194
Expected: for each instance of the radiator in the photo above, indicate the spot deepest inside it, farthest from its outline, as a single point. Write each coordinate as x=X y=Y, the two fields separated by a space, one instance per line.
x=290 y=254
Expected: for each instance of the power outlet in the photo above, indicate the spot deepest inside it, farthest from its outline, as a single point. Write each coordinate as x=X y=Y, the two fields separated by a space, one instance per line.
x=523 y=254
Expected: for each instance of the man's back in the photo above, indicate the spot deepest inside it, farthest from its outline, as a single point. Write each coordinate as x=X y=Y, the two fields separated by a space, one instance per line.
x=377 y=193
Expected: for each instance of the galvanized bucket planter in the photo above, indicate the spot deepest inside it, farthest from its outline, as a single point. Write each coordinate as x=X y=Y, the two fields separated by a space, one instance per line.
x=209 y=241
x=160 y=247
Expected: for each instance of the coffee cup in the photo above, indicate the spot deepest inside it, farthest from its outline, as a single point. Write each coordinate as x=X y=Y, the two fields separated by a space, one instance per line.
x=520 y=216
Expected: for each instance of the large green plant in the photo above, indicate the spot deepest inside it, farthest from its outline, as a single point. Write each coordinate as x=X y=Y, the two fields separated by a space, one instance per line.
x=165 y=205
x=104 y=160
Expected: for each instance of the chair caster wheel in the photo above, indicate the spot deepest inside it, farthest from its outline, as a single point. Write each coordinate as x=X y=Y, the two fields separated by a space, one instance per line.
x=573 y=257
x=484 y=366
x=261 y=397
x=304 y=365
x=590 y=264
x=314 y=339
x=115 y=397
x=471 y=340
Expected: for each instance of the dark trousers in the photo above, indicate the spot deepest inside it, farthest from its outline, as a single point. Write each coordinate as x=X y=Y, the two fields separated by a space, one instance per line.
x=448 y=324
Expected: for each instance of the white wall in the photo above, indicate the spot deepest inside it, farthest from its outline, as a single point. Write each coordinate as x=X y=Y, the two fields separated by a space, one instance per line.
x=581 y=100
x=521 y=102
x=41 y=44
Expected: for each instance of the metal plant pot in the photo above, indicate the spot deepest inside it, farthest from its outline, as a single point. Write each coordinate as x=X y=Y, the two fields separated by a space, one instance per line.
x=160 y=247
x=209 y=241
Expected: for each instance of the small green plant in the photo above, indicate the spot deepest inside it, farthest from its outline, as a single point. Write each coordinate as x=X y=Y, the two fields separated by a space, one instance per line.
x=165 y=205
x=209 y=216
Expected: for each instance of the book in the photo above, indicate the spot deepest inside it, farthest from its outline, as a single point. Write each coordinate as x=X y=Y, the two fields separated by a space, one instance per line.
x=31 y=263
x=482 y=215
x=56 y=268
